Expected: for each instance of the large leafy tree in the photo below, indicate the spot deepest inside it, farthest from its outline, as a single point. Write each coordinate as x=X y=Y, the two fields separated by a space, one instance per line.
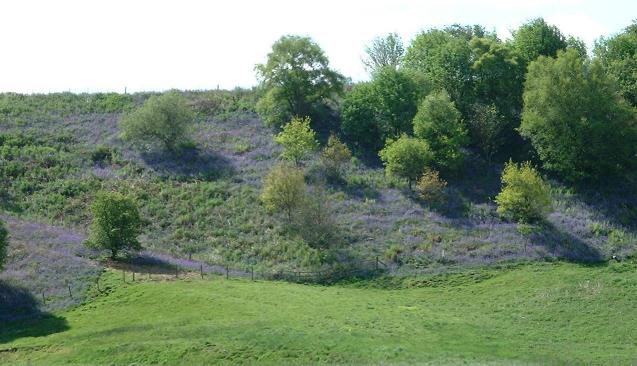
x=440 y=124
x=116 y=223
x=537 y=38
x=165 y=119
x=299 y=73
x=406 y=157
x=575 y=119
x=618 y=55
x=359 y=122
x=384 y=52
x=4 y=243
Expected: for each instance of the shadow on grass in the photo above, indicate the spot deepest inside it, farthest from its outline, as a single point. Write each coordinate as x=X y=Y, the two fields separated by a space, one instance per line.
x=565 y=246
x=189 y=163
x=20 y=315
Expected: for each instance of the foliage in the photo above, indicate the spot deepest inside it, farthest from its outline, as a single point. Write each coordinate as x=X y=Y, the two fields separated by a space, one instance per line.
x=273 y=109
x=383 y=108
x=439 y=123
x=406 y=157
x=524 y=197
x=284 y=190
x=116 y=223
x=164 y=119
x=334 y=157
x=384 y=52
x=4 y=244
x=300 y=71
x=431 y=188
x=537 y=38
x=315 y=221
x=575 y=119
x=618 y=56
x=488 y=129
x=298 y=140
x=102 y=154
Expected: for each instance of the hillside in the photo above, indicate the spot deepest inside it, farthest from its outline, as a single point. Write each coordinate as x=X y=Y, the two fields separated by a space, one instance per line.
x=58 y=150
x=533 y=314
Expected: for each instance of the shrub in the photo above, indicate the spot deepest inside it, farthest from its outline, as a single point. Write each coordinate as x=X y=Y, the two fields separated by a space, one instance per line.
x=316 y=223
x=272 y=109
x=525 y=196
x=284 y=190
x=431 y=187
x=439 y=123
x=406 y=157
x=334 y=157
x=298 y=140
x=4 y=243
x=164 y=119
x=102 y=154
x=116 y=223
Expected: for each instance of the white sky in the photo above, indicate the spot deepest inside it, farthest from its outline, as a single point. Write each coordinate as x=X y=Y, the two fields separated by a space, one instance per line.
x=107 y=45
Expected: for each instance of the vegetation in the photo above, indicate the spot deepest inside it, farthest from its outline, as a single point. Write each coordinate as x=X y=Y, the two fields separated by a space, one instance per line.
x=384 y=52
x=406 y=157
x=334 y=157
x=116 y=223
x=298 y=140
x=284 y=189
x=298 y=81
x=525 y=197
x=537 y=38
x=4 y=243
x=431 y=188
x=164 y=119
x=436 y=319
x=576 y=121
x=618 y=56
x=438 y=122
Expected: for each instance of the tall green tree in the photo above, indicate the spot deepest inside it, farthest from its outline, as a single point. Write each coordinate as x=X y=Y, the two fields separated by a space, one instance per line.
x=300 y=73
x=618 y=56
x=298 y=140
x=4 y=243
x=116 y=223
x=406 y=157
x=440 y=124
x=384 y=52
x=537 y=38
x=576 y=120
x=360 y=124
x=165 y=119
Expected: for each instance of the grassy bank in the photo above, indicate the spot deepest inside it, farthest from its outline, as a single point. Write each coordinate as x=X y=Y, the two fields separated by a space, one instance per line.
x=533 y=314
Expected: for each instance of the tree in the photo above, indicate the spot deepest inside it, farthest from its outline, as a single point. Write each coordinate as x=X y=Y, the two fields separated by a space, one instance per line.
x=406 y=157
x=316 y=222
x=537 y=38
x=334 y=156
x=488 y=129
x=525 y=197
x=575 y=119
x=298 y=140
x=272 y=108
x=4 y=243
x=384 y=52
x=618 y=56
x=431 y=187
x=284 y=190
x=360 y=124
x=116 y=223
x=300 y=71
x=164 y=119
x=439 y=123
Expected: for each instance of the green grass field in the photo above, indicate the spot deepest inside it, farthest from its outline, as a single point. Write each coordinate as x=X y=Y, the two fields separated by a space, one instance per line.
x=529 y=314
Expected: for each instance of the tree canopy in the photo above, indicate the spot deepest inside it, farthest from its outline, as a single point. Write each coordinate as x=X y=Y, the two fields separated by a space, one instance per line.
x=406 y=157
x=384 y=52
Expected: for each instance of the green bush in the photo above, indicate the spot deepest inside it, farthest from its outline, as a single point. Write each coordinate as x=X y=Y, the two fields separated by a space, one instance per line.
x=102 y=154
x=431 y=187
x=284 y=190
x=116 y=223
x=334 y=157
x=406 y=157
x=298 y=140
x=165 y=119
x=525 y=197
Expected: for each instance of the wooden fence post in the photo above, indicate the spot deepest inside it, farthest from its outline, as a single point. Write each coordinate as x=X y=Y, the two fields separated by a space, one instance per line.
x=133 y=276
x=227 y=272
x=201 y=270
x=123 y=275
x=98 y=284
x=252 y=273
x=376 y=263
x=43 y=298
x=69 y=286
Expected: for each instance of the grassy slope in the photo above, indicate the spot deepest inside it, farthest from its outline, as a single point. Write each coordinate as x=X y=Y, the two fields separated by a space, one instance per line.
x=540 y=313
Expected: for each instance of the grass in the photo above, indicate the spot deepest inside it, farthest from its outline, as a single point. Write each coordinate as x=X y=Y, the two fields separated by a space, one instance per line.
x=542 y=313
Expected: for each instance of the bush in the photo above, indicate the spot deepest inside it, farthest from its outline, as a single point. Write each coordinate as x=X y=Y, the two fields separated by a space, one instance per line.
x=4 y=243
x=165 y=119
x=334 y=157
x=284 y=190
x=116 y=223
x=439 y=123
x=316 y=223
x=431 y=188
x=102 y=154
x=525 y=197
x=298 y=140
x=406 y=157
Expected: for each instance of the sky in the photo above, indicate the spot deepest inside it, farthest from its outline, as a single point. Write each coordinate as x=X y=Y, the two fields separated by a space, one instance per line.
x=144 y=45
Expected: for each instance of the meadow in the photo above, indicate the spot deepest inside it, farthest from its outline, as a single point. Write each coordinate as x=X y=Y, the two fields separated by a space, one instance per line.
x=549 y=313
